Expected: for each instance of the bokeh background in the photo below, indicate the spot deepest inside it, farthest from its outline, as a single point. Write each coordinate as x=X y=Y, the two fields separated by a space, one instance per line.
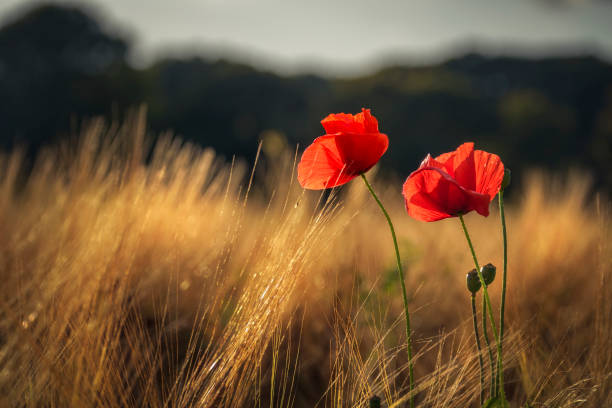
x=141 y=270
x=530 y=80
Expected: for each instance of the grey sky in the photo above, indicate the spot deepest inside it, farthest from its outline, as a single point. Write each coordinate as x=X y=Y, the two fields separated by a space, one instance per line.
x=347 y=37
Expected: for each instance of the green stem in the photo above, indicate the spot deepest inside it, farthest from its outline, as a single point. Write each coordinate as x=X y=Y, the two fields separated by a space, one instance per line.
x=487 y=300
x=475 y=319
x=403 y=284
x=500 y=368
x=486 y=337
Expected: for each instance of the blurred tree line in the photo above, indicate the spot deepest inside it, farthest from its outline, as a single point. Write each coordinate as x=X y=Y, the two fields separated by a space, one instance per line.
x=58 y=65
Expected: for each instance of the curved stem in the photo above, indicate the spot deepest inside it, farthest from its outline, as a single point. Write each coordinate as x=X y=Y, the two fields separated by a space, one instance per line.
x=475 y=319
x=403 y=284
x=488 y=343
x=502 y=308
x=487 y=300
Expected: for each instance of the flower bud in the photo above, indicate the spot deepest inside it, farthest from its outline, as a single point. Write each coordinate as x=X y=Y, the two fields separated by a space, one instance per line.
x=473 y=281
x=507 y=178
x=488 y=273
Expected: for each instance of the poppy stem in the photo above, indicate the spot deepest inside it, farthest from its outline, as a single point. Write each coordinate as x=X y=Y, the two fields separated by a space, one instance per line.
x=403 y=284
x=486 y=337
x=475 y=319
x=500 y=369
x=487 y=300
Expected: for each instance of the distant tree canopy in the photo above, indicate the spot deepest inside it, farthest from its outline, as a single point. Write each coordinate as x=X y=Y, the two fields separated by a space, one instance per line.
x=57 y=64
x=54 y=62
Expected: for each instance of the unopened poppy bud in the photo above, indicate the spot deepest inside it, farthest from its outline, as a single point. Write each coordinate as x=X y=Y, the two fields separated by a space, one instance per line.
x=507 y=178
x=473 y=281
x=488 y=273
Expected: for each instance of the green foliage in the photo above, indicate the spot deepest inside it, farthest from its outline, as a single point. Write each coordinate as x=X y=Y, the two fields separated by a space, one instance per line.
x=492 y=403
x=495 y=402
x=374 y=402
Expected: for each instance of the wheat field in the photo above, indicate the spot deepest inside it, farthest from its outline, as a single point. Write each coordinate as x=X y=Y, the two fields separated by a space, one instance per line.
x=137 y=274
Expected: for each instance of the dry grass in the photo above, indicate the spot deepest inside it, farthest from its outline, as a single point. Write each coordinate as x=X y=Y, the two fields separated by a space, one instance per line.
x=178 y=283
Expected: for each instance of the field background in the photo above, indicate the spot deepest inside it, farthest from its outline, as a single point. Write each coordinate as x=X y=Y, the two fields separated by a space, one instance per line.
x=155 y=274
x=164 y=255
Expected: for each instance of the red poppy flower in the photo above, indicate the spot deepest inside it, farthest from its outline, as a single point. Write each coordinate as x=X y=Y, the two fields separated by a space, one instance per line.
x=453 y=184
x=351 y=146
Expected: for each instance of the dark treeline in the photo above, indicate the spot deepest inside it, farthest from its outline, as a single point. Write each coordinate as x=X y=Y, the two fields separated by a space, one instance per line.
x=58 y=64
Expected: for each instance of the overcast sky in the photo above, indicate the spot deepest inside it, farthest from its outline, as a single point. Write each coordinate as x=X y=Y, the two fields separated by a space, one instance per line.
x=348 y=37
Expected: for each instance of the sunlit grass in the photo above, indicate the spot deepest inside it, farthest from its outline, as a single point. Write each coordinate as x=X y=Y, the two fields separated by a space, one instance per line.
x=167 y=279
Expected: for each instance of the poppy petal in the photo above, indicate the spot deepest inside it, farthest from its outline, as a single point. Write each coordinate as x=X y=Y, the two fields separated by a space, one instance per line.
x=431 y=162
x=447 y=159
x=422 y=207
x=363 y=122
x=367 y=121
x=321 y=165
x=431 y=194
x=351 y=147
x=340 y=122
x=460 y=165
x=489 y=173
x=475 y=170
x=361 y=152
